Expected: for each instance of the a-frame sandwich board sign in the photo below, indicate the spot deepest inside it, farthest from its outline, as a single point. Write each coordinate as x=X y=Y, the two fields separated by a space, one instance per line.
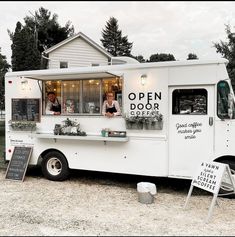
x=211 y=176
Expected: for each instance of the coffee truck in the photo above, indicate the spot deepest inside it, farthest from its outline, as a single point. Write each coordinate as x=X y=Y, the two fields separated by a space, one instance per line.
x=194 y=100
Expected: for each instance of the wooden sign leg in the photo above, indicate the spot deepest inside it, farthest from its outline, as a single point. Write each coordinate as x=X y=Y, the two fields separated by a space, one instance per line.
x=211 y=207
x=189 y=194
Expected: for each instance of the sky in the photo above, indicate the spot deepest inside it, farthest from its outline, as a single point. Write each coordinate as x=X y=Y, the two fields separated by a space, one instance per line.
x=175 y=27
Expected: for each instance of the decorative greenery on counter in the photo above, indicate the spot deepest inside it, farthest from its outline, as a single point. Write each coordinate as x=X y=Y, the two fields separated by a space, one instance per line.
x=23 y=125
x=70 y=128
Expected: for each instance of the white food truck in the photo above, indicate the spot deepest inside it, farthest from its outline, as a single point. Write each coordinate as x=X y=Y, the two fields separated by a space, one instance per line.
x=193 y=98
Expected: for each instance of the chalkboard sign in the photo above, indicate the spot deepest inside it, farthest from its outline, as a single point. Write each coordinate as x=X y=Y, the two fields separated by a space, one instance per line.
x=18 y=164
x=25 y=109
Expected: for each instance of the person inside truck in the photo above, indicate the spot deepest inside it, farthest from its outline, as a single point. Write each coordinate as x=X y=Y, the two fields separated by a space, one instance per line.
x=111 y=107
x=53 y=106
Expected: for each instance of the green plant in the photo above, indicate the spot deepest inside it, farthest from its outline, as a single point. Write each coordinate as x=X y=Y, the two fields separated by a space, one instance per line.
x=134 y=122
x=70 y=128
x=23 y=125
x=150 y=122
x=134 y=119
x=154 y=117
x=68 y=123
x=154 y=121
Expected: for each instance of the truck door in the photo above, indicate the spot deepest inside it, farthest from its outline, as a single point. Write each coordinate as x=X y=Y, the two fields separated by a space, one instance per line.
x=191 y=128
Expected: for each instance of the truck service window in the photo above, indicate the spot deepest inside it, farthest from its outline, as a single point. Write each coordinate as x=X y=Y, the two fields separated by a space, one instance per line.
x=113 y=85
x=71 y=97
x=54 y=86
x=83 y=97
x=189 y=101
x=91 y=96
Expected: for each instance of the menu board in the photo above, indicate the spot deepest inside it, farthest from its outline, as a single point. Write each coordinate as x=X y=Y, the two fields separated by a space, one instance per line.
x=18 y=164
x=25 y=109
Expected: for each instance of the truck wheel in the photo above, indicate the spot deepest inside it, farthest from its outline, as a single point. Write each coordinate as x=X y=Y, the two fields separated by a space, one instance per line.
x=55 y=166
x=226 y=188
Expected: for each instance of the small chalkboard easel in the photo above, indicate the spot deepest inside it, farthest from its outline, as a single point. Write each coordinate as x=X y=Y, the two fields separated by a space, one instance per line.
x=18 y=164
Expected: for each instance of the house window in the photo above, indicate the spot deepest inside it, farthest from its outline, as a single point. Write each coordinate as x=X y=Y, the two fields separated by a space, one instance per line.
x=63 y=64
x=83 y=97
x=189 y=101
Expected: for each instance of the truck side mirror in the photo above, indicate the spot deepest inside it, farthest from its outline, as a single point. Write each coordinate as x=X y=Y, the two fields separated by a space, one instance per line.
x=230 y=105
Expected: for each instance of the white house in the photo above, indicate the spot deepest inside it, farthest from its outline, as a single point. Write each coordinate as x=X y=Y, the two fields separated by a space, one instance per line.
x=76 y=51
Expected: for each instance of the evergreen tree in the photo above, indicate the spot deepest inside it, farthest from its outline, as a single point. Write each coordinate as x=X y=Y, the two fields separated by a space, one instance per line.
x=4 y=67
x=113 y=41
x=161 y=57
x=227 y=50
x=46 y=28
x=25 y=55
x=39 y=33
x=192 y=56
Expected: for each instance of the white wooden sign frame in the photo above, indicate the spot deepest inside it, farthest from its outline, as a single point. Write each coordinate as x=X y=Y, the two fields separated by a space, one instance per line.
x=209 y=177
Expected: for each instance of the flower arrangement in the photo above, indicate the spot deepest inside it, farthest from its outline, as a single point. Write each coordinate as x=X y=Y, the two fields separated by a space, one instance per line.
x=70 y=123
x=70 y=128
x=23 y=125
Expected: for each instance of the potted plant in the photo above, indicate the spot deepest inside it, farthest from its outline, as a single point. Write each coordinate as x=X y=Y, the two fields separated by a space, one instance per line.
x=134 y=122
x=23 y=125
x=154 y=121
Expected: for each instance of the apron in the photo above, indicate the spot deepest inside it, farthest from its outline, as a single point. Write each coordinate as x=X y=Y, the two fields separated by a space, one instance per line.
x=56 y=108
x=111 y=110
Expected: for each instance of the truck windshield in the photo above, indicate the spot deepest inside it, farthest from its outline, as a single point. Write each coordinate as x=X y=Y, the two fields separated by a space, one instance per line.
x=223 y=91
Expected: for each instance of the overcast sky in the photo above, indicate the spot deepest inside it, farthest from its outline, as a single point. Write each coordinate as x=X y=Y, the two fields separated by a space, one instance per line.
x=178 y=28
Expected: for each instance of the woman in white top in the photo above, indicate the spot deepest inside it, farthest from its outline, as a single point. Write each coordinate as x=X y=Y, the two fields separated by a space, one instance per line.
x=110 y=107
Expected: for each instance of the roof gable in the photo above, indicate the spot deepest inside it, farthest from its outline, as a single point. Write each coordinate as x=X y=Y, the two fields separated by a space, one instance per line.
x=85 y=38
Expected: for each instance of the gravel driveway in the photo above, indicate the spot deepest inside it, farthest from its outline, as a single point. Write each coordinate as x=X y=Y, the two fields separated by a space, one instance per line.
x=93 y=203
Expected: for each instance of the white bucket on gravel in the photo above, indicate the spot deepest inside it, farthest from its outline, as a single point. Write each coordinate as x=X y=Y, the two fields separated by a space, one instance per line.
x=146 y=192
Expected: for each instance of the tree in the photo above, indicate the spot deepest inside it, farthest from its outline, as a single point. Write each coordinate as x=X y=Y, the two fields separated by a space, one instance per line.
x=161 y=57
x=140 y=58
x=4 y=67
x=46 y=28
x=227 y=50
x=41 y=31
x=113 y=41
x=192 y=56
x=25 y=55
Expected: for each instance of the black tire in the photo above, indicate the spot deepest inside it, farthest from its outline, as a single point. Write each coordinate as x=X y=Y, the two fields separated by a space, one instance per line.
x=55 y=166
x=228 y=189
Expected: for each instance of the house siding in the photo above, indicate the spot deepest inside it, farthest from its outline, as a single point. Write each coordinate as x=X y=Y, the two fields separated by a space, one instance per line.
x=78 y=53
